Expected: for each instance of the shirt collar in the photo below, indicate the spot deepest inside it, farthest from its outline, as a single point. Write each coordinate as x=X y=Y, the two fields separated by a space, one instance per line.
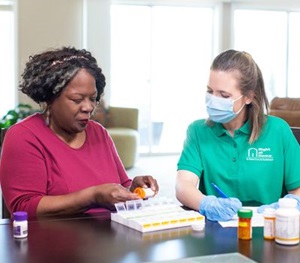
x=219 y=129
x=245 y=128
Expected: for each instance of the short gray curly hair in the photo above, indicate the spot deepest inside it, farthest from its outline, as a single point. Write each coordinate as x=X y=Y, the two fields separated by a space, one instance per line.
x=48 y=73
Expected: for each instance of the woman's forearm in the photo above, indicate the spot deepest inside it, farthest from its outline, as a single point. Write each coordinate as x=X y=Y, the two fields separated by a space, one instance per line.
x=73 y=203
x=189 y=196
x=186 y=189
x=80 y=201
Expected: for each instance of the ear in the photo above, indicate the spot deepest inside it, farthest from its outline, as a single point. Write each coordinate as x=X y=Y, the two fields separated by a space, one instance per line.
x=43 y=106
x=249 y=97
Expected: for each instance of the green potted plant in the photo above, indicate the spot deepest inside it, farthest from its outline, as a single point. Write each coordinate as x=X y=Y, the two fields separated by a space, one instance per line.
x=20 y=112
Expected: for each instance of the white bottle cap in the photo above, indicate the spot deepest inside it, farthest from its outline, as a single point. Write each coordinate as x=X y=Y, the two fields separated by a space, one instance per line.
x=287 y=202
x=198 y=226
x=269 y=212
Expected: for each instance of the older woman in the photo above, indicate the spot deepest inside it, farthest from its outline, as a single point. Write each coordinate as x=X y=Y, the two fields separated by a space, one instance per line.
x=59 y=161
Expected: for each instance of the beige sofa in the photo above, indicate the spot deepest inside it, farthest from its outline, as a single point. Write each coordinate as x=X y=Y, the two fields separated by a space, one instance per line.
x=122 y=125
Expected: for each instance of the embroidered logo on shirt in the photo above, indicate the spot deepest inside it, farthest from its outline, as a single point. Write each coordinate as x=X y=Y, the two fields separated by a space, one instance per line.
x=259 y=154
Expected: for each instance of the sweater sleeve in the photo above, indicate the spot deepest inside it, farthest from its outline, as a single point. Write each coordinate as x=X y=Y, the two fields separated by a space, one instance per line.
x=22 y=173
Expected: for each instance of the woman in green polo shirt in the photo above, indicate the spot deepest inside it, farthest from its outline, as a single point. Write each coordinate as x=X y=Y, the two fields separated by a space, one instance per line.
x=254 y=158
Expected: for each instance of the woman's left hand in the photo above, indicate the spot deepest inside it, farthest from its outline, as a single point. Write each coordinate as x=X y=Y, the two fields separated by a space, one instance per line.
x=145 y=181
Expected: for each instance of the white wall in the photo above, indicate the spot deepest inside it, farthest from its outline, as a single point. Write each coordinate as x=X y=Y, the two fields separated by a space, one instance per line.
x=43 y=24
x=97 y=15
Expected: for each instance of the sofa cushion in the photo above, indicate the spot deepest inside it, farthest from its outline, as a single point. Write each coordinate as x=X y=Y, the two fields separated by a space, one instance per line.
x=285 y=104
x=126 y=142
x=287 y=109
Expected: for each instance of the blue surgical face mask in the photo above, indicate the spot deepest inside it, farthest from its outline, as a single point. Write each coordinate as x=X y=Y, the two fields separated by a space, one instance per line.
x=221 y=109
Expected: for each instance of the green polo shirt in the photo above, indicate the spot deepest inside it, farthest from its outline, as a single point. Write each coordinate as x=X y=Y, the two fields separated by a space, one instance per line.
x=258 y=173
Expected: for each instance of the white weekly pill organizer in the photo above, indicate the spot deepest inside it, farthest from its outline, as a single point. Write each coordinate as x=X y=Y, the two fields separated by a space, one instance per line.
x=155 y=214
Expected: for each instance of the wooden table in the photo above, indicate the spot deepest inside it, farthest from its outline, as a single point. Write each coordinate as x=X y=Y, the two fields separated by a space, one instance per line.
x=87 y=239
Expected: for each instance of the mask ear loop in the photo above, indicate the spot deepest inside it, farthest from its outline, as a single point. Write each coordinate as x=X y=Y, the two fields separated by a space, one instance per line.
x=240 y=109
x=238 y=98
x=242 y=106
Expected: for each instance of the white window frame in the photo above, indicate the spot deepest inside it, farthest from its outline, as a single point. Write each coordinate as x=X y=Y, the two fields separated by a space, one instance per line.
x=11 y=6
x=286 y=6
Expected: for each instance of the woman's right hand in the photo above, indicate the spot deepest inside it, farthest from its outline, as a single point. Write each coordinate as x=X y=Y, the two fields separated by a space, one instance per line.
x=105 y=195
x=113 y=193
x=219 y=209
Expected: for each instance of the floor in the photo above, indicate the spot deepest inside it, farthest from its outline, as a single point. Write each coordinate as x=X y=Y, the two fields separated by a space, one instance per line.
x=162 y=168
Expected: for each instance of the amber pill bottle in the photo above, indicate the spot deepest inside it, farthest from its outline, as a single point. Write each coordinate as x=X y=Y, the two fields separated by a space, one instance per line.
x=144 y=193
x=244 y=224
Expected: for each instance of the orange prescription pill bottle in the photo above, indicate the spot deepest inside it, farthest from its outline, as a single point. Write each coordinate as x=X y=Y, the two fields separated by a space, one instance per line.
x=144 y=192
x=244 y=224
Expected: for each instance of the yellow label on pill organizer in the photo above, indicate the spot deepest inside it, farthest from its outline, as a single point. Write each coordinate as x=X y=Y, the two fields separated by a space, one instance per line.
x=156 y=223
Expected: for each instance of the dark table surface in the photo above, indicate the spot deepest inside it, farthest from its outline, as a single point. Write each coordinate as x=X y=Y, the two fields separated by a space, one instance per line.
x=95 y=238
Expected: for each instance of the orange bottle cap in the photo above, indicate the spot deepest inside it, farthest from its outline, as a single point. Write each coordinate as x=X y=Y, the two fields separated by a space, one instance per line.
x=140 y=192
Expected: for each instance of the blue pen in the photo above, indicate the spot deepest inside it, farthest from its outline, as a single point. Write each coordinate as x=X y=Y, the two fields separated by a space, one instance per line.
x=219 y=191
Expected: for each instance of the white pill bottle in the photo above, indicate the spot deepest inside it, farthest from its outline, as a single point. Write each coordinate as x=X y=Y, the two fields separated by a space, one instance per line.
x=287 y=222
x=20 y=224
x=269 y=223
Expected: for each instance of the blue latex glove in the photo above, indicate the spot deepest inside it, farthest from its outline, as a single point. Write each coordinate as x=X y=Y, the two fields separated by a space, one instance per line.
x=219 y=209
x=276 y=205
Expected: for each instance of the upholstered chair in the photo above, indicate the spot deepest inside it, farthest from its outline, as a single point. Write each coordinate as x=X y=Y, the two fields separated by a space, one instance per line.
x=122 y=125
x=287 y=109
